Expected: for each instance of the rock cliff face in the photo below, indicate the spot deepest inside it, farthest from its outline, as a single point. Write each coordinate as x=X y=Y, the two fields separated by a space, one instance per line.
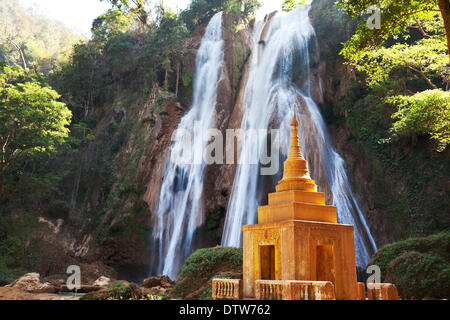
x=108 y=230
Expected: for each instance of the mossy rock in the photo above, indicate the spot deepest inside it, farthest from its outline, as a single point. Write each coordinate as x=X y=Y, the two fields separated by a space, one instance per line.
x=119 y=290
x=202 y=266
x=419 y=267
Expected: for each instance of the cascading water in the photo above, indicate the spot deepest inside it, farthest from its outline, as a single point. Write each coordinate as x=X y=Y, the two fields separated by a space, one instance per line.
x=280 y=67
x=180 y=207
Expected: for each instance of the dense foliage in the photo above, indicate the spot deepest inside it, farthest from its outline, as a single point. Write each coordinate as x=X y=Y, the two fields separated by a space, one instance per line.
x=419 y=267
x=33 y=128
x=32 y=120
x=135 y=8
x=397 y=16
x=426 y=112
x=407 y=178
x=412 y=40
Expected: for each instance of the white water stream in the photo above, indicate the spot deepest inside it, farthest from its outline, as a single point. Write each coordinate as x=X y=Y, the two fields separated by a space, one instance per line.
x=180 y=209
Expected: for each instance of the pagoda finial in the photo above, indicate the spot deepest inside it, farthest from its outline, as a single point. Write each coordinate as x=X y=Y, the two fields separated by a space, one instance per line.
x=294 y=122
x=296 y=175
x=295 y=152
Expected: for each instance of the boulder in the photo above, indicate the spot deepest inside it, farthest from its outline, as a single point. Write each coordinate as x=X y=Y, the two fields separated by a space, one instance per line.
x=31 y=282
x=161 y=281
x=102 y=282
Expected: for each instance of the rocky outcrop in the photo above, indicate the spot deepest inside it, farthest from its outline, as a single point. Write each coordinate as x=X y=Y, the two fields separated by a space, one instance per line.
x=158 y=286
x=122 y=239
x=159 y=281
x=102 y=282
x=31 y=283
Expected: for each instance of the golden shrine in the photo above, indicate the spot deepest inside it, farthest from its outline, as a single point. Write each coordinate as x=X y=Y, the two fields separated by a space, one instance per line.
x=298 y=251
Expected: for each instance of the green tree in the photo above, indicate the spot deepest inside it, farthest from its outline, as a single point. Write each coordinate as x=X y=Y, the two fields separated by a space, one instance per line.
x=426 y=57
x=109 y=25
x=201 y=11
x=84 y=80
x=410 y=47
x=397 y=15
x=163 y=50
x=119 y=55
x=32 y=120
x=135 y=8
x=245 y=8
x=289 y=5
x=426 y=112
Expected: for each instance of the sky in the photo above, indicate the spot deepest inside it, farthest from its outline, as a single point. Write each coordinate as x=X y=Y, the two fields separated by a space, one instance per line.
x=75 y=14
x=79 y=14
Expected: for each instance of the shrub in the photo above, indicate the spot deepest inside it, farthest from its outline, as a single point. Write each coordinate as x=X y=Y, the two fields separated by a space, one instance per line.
x=202 y=266
x=205 y=260
x=419 y=267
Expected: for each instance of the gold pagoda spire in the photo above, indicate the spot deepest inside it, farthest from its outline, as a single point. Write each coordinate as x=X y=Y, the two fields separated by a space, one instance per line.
x=296 y=175
x=295 y=151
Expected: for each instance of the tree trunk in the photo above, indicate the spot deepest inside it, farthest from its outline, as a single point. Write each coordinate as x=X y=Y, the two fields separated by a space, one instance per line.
x=178 y=78
x=444 y=6
x=424 y=76
x=76 y=187
x=22 y=56
x=2 y=175
x=166 y=80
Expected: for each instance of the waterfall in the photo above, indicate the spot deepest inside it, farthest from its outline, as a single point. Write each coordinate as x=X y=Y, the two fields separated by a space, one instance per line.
x=180 y=211
x=280 y=67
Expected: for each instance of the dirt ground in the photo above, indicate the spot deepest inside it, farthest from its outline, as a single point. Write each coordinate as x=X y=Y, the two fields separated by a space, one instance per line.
x=15 y=294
